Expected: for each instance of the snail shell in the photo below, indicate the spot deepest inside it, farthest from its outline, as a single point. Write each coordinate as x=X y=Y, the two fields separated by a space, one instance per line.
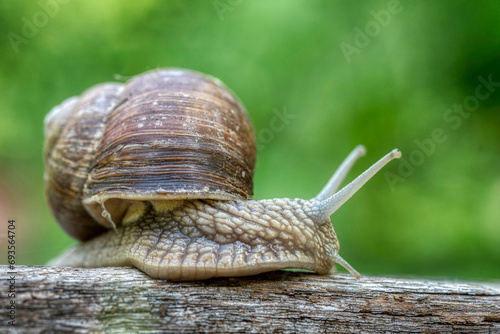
x=157 y=174
x=165 y=135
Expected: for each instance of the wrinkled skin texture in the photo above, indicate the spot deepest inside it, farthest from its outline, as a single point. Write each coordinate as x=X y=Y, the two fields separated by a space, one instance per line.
x=203 y=238
x=165 y=161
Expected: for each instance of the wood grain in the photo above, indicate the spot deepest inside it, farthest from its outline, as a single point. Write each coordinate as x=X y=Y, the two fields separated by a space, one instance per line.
x=124 y=300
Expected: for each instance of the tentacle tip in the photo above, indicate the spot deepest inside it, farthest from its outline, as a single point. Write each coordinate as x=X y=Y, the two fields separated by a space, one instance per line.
x=361 y=149
x=357 y=275
x=395 y=154
x=353 y=272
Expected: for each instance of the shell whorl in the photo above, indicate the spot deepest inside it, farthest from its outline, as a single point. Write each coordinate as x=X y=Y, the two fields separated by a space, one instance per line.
x=164 y=135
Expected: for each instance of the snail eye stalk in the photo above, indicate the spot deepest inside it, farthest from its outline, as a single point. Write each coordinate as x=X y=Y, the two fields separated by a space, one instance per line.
x=328 y=201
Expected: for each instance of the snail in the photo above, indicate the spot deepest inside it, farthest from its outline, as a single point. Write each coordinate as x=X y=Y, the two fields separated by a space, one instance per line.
x=156 y=173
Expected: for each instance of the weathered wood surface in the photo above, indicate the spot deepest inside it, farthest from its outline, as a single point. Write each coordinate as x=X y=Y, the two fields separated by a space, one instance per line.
x=124 y=300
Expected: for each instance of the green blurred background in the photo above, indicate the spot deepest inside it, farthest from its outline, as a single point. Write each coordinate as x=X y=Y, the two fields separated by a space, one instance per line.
x=379 y=73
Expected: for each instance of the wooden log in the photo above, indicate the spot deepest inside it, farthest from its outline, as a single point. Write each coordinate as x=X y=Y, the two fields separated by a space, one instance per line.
x=124 y=300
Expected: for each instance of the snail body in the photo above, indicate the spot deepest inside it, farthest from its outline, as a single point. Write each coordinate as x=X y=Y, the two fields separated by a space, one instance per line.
x=157 y=174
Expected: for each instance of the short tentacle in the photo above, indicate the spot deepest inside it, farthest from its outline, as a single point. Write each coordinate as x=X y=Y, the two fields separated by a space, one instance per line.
x=346 y=265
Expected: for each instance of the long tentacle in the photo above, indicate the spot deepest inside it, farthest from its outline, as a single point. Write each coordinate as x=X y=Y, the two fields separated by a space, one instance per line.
x=324 y=208
x=333 y=185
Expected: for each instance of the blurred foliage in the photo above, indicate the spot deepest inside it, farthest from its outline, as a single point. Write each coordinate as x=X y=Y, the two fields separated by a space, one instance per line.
x=440 y=218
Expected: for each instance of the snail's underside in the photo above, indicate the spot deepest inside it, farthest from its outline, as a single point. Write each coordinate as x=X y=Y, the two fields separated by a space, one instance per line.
x=203 y=239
